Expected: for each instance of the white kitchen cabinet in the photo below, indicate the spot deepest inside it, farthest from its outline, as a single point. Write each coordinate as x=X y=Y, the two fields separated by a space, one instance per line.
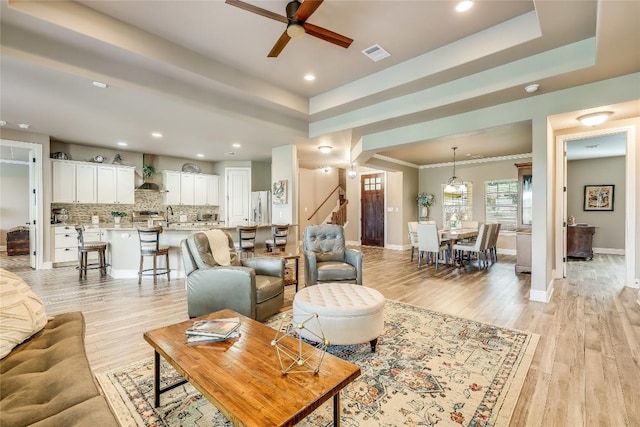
x=65 y=244
x=74 y=182
x=116 y=184
x=187 y=189
x=171 y=182
x=212 y=190
x=200 y=190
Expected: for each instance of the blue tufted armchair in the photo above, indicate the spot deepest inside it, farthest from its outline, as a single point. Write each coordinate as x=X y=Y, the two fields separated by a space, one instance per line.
x=326 y=259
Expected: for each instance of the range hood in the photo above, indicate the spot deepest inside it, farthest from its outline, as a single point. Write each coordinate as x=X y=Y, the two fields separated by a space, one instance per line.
x=147 y=159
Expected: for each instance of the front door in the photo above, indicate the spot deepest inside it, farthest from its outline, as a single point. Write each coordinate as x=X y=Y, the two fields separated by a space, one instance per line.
x=372 y=191
x=238 y=195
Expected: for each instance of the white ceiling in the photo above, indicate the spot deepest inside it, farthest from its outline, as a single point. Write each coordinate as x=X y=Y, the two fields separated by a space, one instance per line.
x=198 y=72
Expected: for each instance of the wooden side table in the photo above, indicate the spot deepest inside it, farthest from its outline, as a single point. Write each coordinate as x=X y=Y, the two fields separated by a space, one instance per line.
x=292 y=264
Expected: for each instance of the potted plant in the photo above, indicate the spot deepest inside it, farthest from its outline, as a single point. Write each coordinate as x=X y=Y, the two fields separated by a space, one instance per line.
x=117 y=215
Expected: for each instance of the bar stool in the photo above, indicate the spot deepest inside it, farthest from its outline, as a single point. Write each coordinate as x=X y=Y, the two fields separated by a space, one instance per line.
x=279 y=239
x=246 y=239
x=150 y=246
x=83 y=250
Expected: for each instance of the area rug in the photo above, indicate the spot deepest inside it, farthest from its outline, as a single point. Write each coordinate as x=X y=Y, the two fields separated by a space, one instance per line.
x=430 y=369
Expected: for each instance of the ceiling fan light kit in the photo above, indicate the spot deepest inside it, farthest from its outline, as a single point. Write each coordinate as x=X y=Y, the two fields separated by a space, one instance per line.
x=296 y=19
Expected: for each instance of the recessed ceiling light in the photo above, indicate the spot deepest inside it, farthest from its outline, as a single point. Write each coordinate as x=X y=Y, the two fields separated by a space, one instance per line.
x=532 y=88
x=235 y=145
x=595 y=119
x=156 y=134
x=309 y=77
x=325 y=149
x=199 y=155
x=99 y=84
x=464 y=5
x=2 y=123
x=23 y=126
x=122 y=143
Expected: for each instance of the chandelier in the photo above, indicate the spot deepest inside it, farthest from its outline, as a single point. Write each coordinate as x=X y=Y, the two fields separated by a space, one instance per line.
x=455 y=184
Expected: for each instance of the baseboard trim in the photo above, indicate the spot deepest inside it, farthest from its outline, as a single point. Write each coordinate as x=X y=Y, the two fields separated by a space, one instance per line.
x=353 y=243
x=395 y=247
x=507 y=251
x=609 y=251
x=47 y=265
x=542 y=296
x=3 y=248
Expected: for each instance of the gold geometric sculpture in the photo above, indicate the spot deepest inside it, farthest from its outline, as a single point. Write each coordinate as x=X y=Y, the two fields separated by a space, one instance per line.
x=294 y=360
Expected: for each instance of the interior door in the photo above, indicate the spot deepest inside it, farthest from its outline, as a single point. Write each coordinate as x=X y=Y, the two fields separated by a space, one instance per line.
x=33 y=211
x=238 y=195
x=372 y=191
x=564 y=209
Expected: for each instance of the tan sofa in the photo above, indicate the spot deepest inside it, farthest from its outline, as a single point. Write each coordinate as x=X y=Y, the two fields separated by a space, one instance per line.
x=47 y=380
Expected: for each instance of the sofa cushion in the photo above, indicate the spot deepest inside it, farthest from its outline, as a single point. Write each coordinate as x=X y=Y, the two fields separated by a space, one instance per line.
x=21 y=312
x=46 y=374
x=331 y=271
x=267 y=287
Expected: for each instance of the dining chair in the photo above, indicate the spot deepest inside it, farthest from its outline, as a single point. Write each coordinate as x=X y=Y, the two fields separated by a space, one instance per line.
x=477 y=247
x=493 y=241
x=429 y=243
x=413 y=236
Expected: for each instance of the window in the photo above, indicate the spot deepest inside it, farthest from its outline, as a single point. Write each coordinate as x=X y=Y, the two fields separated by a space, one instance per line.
x=501 y=203
x=457 y=206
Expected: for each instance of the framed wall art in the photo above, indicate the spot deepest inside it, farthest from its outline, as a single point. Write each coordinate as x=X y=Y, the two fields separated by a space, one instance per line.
x=598 y=197
x=279 y=193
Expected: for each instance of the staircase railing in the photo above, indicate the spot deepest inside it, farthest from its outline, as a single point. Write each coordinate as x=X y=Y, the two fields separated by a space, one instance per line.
x=338 y=188
x=340 y=215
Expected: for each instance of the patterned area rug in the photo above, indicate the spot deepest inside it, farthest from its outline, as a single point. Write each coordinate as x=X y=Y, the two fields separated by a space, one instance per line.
x=430 y=369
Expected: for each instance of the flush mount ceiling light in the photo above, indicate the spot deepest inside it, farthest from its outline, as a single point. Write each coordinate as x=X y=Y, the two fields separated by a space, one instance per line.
x=99 y=84
x=156 y=134
x=325 y=149
x=464 y=5
x=199 y=155
x=532 y=88
x=455 y=184
x=595 y=119
x=309 y=77
x=2 y=123
x=122 y=143
x=235 y=145
x=23 y=126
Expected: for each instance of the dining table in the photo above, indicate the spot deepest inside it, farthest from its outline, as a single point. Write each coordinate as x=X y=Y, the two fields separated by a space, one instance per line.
x=452 y=236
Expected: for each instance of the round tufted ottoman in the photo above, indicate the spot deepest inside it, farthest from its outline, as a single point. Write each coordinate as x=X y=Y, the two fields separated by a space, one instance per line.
x=347 y=313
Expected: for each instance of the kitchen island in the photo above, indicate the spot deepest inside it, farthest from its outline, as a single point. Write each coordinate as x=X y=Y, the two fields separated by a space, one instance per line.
x=123 y=249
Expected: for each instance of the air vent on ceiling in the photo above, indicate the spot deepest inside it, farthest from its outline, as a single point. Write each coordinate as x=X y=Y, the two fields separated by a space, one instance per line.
x=376 y=53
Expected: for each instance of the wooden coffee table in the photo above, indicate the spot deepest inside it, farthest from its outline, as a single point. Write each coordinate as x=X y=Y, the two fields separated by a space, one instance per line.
x=242 y=376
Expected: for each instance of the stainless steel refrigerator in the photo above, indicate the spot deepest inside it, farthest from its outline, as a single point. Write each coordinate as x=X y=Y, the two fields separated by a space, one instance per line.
x=261 y=207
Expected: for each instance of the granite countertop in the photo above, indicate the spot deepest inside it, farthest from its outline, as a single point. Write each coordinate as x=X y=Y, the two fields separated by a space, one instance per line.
x=175 y=226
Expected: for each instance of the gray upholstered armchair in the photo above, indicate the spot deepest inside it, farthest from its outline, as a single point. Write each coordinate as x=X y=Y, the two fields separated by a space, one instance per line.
x=253 y=287
x=326 y=259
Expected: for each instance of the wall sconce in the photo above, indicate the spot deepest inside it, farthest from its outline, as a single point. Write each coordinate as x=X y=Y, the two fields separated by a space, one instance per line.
x=595 y=119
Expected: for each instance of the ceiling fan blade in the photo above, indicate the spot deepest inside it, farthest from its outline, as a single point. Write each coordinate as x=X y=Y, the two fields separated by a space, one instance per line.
x=307 y=8
x=327 y=35
x=258 y=10
x=280 y=44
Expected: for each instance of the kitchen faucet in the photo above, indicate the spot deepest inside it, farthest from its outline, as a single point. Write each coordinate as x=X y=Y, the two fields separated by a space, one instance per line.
x=169 y=209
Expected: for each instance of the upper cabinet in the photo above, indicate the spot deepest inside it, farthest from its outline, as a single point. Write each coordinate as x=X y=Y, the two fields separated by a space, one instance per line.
x=116 y=184
x=190 y=189
x=74 y=182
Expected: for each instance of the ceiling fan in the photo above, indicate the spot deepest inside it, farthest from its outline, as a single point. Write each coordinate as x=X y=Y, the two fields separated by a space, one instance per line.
x=297 y=25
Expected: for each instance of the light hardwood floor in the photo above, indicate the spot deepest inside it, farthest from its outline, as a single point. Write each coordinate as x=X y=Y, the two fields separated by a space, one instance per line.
x=586 y=370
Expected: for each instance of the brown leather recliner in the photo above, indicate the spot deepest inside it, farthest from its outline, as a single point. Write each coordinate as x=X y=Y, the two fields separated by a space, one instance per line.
x=253 y=287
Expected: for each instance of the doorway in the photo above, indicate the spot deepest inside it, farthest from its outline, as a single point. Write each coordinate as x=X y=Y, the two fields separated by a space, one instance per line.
x=625 y=214
x=33 y=161
x=372 y=205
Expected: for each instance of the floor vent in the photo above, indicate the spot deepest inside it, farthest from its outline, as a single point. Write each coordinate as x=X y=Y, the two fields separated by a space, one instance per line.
x=376 y=53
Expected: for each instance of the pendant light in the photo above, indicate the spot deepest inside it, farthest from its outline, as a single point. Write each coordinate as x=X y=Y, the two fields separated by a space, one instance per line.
x=455 y=184
x=352 y=172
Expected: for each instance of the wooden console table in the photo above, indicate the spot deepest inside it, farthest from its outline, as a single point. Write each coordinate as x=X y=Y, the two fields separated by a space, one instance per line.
x=580 y=240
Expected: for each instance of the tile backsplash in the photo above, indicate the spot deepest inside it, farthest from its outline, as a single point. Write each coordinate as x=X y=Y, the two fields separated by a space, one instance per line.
x=144 y=201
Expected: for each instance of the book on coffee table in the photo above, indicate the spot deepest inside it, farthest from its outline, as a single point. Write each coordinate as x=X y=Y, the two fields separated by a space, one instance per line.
x=193 y=339
x=214 y=328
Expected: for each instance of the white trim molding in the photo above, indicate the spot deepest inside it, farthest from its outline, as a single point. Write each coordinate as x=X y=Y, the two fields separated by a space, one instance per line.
x=542 y=296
